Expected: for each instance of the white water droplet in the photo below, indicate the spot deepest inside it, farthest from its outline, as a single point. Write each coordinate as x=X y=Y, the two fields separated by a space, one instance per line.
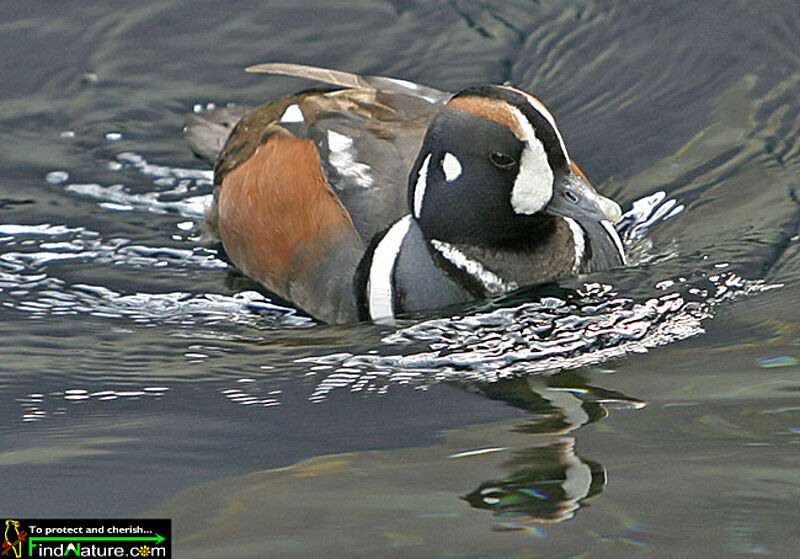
x=56 y=177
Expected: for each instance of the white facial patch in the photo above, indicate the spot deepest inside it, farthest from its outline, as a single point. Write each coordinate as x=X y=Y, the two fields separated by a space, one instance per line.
x=451 y=167
x=292 y=115
x=419 y=187
x=380 y=292
x=570 y=406
x=534 y=185
x=579 y=240
x=341 y=157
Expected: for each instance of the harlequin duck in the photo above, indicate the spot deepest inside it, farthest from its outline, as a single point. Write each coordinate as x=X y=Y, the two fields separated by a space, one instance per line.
x=477 y=190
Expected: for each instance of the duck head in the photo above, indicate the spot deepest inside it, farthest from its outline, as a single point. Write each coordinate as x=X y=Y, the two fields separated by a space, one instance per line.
x=492 y=166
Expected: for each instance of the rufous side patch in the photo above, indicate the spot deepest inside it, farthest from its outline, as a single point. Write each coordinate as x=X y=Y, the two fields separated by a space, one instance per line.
x=277 y=211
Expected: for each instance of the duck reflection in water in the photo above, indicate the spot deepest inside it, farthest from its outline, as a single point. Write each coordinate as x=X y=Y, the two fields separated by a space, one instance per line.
x=549 y=482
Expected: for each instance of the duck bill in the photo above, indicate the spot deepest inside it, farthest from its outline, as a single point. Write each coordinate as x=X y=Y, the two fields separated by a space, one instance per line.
x=575 y=197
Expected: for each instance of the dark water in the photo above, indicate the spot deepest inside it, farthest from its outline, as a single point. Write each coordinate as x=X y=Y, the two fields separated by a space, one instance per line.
x=651 y=411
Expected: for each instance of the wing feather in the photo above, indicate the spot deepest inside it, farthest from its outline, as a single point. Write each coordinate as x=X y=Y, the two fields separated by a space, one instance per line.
x=346 y=79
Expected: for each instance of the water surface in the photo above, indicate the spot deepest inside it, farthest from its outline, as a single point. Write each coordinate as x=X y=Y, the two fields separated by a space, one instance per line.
x=651 y=411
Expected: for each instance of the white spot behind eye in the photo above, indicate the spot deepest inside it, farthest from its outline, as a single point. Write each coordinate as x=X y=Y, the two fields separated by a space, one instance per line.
x=419 y=188
x=292 y=114
x=451 y=167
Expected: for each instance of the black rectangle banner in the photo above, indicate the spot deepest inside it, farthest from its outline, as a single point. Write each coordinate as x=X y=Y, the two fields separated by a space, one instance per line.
x=86 y=537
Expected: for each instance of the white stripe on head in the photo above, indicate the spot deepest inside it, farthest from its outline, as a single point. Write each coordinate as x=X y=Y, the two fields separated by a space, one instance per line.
x=451 y=167
x=579 y=240
x=419 y=188
x=380 y=289
x=545 y=112
x=533 y=187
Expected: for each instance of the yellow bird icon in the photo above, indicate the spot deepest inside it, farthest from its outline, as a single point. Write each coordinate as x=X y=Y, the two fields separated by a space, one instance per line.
x=12 y=541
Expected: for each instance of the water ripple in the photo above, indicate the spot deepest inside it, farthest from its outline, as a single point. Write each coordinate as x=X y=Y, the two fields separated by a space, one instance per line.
x=542 y=337
x=684 y=262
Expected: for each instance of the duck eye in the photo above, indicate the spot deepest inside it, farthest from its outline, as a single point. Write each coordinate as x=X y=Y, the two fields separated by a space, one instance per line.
x=501 y=160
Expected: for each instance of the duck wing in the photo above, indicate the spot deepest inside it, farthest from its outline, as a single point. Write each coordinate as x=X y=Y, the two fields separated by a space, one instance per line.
x=353 y=81
x=368 y=141
x=368 y=134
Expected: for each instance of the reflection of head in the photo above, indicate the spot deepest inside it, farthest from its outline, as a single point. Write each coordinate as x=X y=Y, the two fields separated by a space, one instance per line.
x=549 y=482
x=558 y=404
x=548 y=485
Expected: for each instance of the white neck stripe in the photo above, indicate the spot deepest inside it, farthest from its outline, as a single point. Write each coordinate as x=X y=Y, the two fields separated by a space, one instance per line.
x=617 y=241
x=491 y=282
x=579 y=240
x=380 y=289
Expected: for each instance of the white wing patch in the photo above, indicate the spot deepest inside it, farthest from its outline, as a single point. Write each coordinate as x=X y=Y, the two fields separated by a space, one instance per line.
x=491 y=282
x=380 y=291
x=292 y=115
x=341 y=157
x=451 y=167
x=419 y=187
x=533 y=187
x=339 y=142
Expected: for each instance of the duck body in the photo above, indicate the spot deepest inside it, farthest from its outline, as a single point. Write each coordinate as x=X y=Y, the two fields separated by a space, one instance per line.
x=406 y=271
x=384 y=197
